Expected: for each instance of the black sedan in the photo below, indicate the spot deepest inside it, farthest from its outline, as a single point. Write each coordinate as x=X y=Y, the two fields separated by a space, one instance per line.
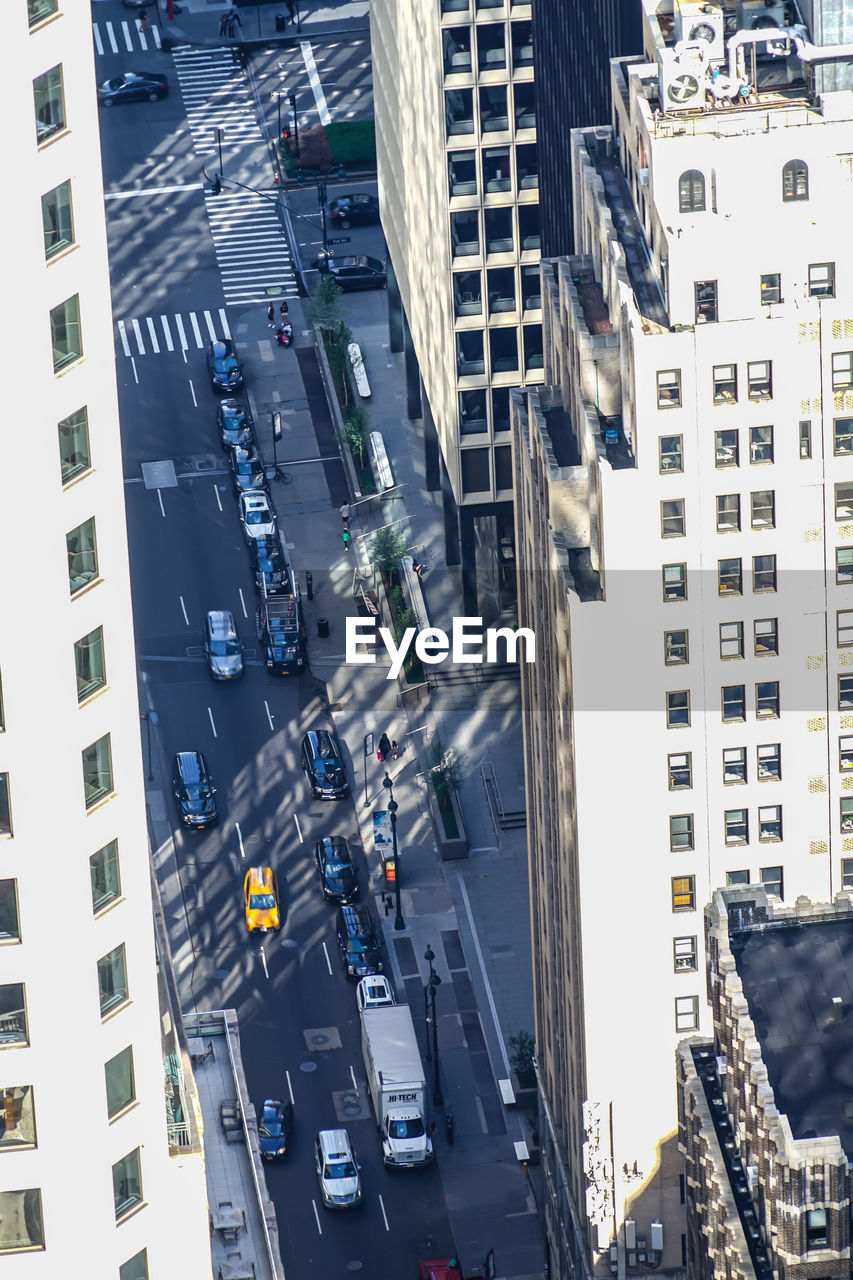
x=338 y=877
x=247 y=469
x=133 y=86
x=274 y=1128
x=354 y=210
x=235 y=423
x=223 y=365
x=323 y=763
x=353 y=271
x=272 y=575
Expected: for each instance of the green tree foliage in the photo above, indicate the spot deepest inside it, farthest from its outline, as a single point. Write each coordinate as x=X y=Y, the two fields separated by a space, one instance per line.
x=386 y=549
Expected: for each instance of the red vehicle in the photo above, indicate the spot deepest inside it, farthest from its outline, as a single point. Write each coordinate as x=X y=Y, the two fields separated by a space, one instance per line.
x=440 y=1269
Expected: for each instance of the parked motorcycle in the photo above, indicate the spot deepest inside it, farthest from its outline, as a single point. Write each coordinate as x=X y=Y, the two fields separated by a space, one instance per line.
x=284 y=335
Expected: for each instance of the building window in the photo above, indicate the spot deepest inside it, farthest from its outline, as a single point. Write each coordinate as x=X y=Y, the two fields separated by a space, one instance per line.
x=469 y=353
x=680 y=831
x=759 y=378
x=21 y=1211
x=472 y=413
x=127 y=1184
x=845 y=692
x=669 y=388
x=38 y=10
x=2 y=721
x=57 y=220
x=766 y=636
x=65 y=333
x=805 y=440
x=684 y=954
x=465 y=234
x=822 y=280
x=675 y=648
x=74 y=455
x=845 y=756
x=767 y=699
x=136 y=1268
x=795 y=180
x=734 y=702
x=112 y=980
x=842 y=370
x=686 y=1013
x=726 y=449
x=706 y=301
x=844 y=628
x=771 y=878
x=89 y=664
x=763 y=509
x=847 y=873
x=82 y=555
x=462 y=170
x=731 y=639
x=734 y=765
x=680 y=771
x=763 y=573
x=675 y=581
x=761 y=444
x=10 y=925
x=17 y=1118
x=459 y=111
x=683 y=893
x=670 y=453
x=737 y=877
x=121 y=1087
x=725 y=384
x=730 y=577
x=49 y=104
x=672 y=520
x=771 y=289
x=678 y=708
x=736 y=826
x=816 y=1233
x=728 y=512
x=846 y=804
x=5 y=806
x=691 y=192
x=770 y=822
x=844 y=501
x=13 y=1015
x=105 y=876
x=843 y=432
x=768 y=758
x=97 y=770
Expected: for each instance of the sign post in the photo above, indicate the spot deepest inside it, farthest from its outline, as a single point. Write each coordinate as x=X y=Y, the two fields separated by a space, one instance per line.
x=368 y=754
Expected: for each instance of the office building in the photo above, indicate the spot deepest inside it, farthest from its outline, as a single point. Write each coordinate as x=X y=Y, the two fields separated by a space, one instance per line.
x=101 y=1170
x=684 y=542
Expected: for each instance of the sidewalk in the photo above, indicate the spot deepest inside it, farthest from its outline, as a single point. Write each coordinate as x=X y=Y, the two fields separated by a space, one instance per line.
x=198 y=21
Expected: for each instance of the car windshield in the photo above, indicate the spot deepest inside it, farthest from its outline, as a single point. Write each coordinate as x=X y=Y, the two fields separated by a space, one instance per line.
x=117 y=83
x=327 y=766
x=341 y=1169
x=198 y=791
x=224 y=364
x=361 y=945
x=224 y=648
x=261 y=901
x=336 y=867
x=259 y=515
x=269 y=564
x=271 y=1129
x=406 y=1128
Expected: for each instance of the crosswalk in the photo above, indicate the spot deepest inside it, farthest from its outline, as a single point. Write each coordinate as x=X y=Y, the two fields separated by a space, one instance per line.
x=124 y=37
x=250 y=246
x=216 y=97
x=152 y=335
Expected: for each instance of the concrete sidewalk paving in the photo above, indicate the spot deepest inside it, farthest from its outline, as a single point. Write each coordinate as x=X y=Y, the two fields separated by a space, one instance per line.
x=197 y=21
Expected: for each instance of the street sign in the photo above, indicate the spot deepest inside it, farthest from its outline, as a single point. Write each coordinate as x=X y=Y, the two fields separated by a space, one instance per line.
x=338 y=239
x=368 y=745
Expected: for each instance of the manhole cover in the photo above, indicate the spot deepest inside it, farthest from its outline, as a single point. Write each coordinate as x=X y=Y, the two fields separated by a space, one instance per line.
x=308 y=1066
x=354 y=1265
x=319 y=1039
x=288 y=942
x=351 y=1099
x=351 y=1109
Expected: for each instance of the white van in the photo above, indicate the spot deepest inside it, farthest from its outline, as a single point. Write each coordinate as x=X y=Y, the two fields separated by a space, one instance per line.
x=337 y=1169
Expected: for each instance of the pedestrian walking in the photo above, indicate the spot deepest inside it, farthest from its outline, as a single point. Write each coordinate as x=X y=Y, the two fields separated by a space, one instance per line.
x=291 y=9
x=345 y=536
x=223 y=26
x=283 y=312
x=395 y=750
x=271 y=316
x=384 y=747
x=144 y=23
x=344 y=509
x=230 y=32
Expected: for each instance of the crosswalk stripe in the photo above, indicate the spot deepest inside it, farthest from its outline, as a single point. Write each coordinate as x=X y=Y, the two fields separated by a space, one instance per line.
x=152 y=333
x=122 y=333
x=223 y=320
x=134 y=37
x=196 y=329
x=111 y=34
x=183 y=337
x=126 y=33
x=210 y=329
x=99 y=44
x=137 y=333
x=167 y=332
x=213 y=325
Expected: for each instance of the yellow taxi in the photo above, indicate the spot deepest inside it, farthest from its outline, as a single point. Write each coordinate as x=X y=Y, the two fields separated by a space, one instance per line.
x=260 y=890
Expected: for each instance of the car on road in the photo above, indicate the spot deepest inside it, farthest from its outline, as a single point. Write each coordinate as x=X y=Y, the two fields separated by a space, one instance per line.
x=358 y=943
x=374 y=993
x=271 y=571
x=247 y=469
x=274 y=1128
x=194 y=790
x=335 y=867
x=133 y=86
x=353 y=271
x=439 y=1269
x=234 y=423
x=223 y=365
x=222 y=647
x=355 y=209
x=260 y=895
x=337 y=1169
x=323 y=763
x=256 y=515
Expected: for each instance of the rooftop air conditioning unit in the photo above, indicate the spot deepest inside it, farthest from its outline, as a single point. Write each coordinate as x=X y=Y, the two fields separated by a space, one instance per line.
x=681 y=80
x=697 y=20
x=753 y=15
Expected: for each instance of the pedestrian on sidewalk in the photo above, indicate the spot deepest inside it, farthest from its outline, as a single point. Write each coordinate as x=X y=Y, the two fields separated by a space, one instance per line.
x=271 y=316
x=344 y=509
x=291 y=9
x=384 y=747
x=283 y=312
x=346 y=538
x=395 y=750
x=223 y=26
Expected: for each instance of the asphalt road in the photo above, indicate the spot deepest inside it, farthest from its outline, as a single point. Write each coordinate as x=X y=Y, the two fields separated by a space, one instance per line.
x=298 y=1019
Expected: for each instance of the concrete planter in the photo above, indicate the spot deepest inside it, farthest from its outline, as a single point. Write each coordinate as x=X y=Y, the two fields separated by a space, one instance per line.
x=450 y=847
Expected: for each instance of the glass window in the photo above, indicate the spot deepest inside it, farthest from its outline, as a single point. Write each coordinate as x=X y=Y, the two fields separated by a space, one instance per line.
x=65 y=333
x=106 y=880
x=21 y=1211
x=725 y=384
x=121 y=1088
x=847 y=813
x=496 y=168
x=795 y=180
x=680 y=770
x=766 y=636
x=759 y=377
x=845 y=756
x=691 y=192
x=734 y=702
x=842 y=370
x=764 y=573
x=13 y=1015
x=686 y=1013
x=17 y=1119
x=728 y=512
x=493 y=109
x=770 y=822
x=845 y=692
x=771 y=878
x=844 y=501
x=49 y=104
x=726 y=449
x=683 y=893
x=38 y=10
x=767 y=699
x=734 y=765
x=465 y=233
x=459 y=111
x=816 y=1233
x=136 y=1268
x=677 y=708
x=771 y=288
x=736 y=824
x=669 y=388
x=112 y=979
x=843 y=436
x=5 y=806
x=737 y=877
x=97 y=770
x=10 y=925
x=731 y=639
x=675 y=581
x=847 y=873
x=89 y=663
x=462 y=171
x=2 y=721
x=670 y=453
x=763 y=509
x=769 y=761
x=82 y=555
x=57 y=219
x=706 y=301
x=730 y=577
x=672 y=519
x=74 y=455
x=805 y=440
x=844 y=628
x=822 y=280
x=127 y=1184
x=675 y=648
x=684 y=954
x=681 y=831
x=761 y=444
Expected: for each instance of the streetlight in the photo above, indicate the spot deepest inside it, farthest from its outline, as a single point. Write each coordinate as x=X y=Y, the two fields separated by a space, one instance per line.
x=399 y=922
x=430 y=989
x=276 y=436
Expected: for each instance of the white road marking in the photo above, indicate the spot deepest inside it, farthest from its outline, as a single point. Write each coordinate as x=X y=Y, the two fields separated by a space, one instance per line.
x=298 y=829
x=122 y=333
x=264 y=963
x=125 y=29
x=135 y=371
x=167 y=333
x=289 y=1086
x=111 y=34
x=155 y=31
x=152 y=191
x=152 y=334
x=138 y=335
x=99 y=44
x=143 y=42
x=384 y=1214
x=179 y=324
x=219 y=503
x=192 y=386
x=210 y=713
x=314 y=81
x=162 y=508
x=317 y=1216
x=196 y=329
x=184 y=610
x=354 y=1081
x=328 y=961
x=210 y=328
x=269 y=716
x=242 y=601
x=223 y=320
x=240 y=839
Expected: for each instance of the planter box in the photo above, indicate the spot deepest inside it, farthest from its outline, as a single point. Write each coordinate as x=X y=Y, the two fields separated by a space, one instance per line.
x=450 y=848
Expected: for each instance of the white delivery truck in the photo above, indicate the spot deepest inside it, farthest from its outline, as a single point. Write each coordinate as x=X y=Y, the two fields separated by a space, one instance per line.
x=395 y=1077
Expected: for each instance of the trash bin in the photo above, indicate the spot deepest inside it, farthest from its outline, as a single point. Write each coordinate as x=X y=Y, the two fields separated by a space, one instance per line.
x=323 y=628
x=280 y=22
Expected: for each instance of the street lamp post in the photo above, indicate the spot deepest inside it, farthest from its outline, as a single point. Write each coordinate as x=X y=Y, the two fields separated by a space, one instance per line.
x=433 y=983
x=321 y=198
x=399 y=922
x=292 y=100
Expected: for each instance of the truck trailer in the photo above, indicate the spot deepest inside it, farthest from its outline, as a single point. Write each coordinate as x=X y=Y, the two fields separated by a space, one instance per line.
x=395 y=1078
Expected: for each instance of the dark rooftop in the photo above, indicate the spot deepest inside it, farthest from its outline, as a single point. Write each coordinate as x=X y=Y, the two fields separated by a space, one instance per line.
x=798 y=981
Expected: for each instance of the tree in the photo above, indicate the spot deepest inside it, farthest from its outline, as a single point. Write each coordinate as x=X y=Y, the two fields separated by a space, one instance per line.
x=355 y=426
x=386 y=549
x=446 y=768
x=324 y=307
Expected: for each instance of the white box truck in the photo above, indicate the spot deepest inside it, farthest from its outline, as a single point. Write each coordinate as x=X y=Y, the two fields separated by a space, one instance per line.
x=395 y=1078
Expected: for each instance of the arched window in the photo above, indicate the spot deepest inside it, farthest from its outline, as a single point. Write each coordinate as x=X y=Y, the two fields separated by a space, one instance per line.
x=795 y=180
x=691 y=192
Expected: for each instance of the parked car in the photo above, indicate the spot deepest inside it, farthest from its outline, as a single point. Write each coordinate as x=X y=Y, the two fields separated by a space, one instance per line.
x=235 y=423
x=354 y=210
x=353 y=272
x=335 y=867
x=271 y=570
x=260 y=895
x=323 y=763
x=194 y=790
x=337 y=1169
x=274 y=1128
x=358 y=943
x=374 y=992
x=439 y=1269
x=133 y=86
x=256 y=516
x=247 y=469
x=223 y=365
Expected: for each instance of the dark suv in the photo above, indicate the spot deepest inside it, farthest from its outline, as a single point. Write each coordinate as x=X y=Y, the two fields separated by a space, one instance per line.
x=194 y=790
x=338 y=878
x=324 y=765
x=358 y=943
x=223 y=365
